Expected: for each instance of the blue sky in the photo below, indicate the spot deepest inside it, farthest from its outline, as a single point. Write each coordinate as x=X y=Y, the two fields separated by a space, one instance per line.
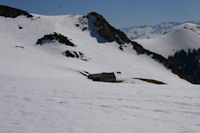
x=120 y=13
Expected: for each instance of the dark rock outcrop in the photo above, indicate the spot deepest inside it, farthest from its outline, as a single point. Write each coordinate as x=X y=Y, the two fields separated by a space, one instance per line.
x=98 y=25
x=152 y=81
x=75 y=54
x=55 y=37
x=13 y=12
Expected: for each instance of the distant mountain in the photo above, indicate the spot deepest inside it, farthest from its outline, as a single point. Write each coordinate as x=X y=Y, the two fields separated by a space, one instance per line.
x=151 y=31
x=178 y=43
x=185 y=36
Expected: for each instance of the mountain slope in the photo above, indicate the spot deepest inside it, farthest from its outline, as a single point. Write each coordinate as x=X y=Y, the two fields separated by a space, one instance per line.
x=35 y=28
x=179 y=39
x=104 y=57
x=104 y=32
x=186 y=36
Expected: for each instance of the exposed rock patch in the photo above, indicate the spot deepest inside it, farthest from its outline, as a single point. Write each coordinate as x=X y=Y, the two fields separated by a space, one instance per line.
x=152 y=81
x=75 y=54
x=13 y=12
x=55 y=37
x=98 y=25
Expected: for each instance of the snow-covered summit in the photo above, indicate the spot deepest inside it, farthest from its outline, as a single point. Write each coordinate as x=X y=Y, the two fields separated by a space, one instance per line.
x=152 y=31
x=191 y=26
x=185 y=36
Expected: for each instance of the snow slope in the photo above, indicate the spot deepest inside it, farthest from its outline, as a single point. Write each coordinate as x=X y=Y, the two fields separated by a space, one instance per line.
x=185 y=36
x=41 y=90
x=77 y=105
x=104 y=57
x=152 y=31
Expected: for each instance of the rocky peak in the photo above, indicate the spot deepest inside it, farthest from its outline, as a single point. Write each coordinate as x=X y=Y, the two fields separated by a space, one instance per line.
x=103 y=31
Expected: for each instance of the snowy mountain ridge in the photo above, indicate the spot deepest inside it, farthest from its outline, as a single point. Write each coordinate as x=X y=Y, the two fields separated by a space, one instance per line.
x=181 y=43
x=185 y=36
x=29 y=30
x=152 y=31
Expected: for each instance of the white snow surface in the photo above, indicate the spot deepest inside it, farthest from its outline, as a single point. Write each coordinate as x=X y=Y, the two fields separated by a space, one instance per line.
x=42 y=92
x=185 y=36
